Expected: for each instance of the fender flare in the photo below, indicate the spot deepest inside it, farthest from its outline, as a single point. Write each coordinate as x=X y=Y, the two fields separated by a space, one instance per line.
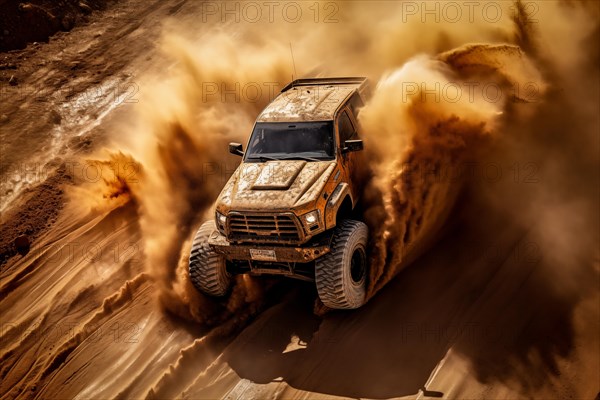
x=335 y=201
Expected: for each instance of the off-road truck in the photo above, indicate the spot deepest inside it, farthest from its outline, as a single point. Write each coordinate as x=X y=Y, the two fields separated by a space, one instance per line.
x=290 y=207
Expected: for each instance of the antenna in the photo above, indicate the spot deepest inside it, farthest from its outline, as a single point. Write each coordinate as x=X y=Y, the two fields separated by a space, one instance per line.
x=293 y=62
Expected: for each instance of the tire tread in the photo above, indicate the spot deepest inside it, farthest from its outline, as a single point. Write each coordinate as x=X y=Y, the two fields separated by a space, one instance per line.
x=206 y=267
x=329 y=272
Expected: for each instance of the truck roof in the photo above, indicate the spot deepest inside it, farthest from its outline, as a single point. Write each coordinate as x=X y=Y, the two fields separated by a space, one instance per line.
x=315 y=99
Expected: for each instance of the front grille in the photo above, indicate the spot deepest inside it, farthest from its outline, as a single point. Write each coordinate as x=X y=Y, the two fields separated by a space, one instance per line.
x=263 y=227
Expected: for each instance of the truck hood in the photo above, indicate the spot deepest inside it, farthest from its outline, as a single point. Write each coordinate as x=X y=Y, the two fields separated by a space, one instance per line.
x=275 y=185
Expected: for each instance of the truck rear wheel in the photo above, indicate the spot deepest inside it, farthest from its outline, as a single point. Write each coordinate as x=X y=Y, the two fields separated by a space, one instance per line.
x=207 y=268
x=341 y=274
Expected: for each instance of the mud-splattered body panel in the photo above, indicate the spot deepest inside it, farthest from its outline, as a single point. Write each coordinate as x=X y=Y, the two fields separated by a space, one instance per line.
x=267 y=201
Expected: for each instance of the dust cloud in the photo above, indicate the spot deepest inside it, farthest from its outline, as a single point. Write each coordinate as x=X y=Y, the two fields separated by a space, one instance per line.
x=218 y=82
x=427 y=122
x=182 y=133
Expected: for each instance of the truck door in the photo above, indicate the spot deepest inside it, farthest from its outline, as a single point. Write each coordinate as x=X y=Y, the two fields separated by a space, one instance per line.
x=347 y=130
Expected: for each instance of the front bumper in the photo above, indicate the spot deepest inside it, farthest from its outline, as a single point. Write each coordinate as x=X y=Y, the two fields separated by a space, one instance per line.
x=281 y=254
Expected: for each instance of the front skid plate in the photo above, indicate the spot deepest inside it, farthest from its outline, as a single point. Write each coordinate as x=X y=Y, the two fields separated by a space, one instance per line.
x=234 y=251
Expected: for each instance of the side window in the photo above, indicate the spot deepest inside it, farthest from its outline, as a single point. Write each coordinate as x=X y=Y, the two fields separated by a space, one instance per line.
x=345 y=128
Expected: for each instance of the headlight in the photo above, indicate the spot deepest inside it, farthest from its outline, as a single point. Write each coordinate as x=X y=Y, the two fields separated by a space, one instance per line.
x=221 y=221
x=312 y=218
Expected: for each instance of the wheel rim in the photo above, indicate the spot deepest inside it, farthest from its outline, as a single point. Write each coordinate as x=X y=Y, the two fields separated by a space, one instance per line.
x=358 y=265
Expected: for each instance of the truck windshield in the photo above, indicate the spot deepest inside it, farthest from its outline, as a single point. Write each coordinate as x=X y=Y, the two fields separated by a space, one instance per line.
x=287 y=140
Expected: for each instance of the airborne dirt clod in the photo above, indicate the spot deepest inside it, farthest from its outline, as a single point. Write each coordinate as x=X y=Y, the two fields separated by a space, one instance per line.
x=482 y=140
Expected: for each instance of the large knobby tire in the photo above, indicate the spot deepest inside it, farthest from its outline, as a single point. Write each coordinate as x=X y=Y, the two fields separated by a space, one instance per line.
x=207 y=268
x=341 y=274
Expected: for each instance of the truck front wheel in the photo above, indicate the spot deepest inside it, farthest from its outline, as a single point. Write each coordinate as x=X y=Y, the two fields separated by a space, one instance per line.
x=207 y=268
x=341 y=274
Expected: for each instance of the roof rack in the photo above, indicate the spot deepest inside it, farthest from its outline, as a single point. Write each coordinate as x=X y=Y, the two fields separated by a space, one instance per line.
x=359 y=81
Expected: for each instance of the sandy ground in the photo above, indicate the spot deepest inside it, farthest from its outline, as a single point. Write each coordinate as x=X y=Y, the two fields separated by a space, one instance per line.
x=477 y=317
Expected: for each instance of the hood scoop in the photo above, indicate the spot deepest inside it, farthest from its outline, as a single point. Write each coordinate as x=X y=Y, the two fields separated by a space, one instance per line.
x=278 y=175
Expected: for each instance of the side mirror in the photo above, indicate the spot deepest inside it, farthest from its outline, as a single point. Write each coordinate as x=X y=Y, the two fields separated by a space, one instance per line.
x=352 y=145
x=236 y=148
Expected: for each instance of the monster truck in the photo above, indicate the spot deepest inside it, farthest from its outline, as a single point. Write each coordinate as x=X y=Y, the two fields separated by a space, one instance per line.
x=290 y=208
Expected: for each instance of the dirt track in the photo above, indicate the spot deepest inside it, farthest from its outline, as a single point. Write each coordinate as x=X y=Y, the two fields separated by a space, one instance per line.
x=483 y=314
